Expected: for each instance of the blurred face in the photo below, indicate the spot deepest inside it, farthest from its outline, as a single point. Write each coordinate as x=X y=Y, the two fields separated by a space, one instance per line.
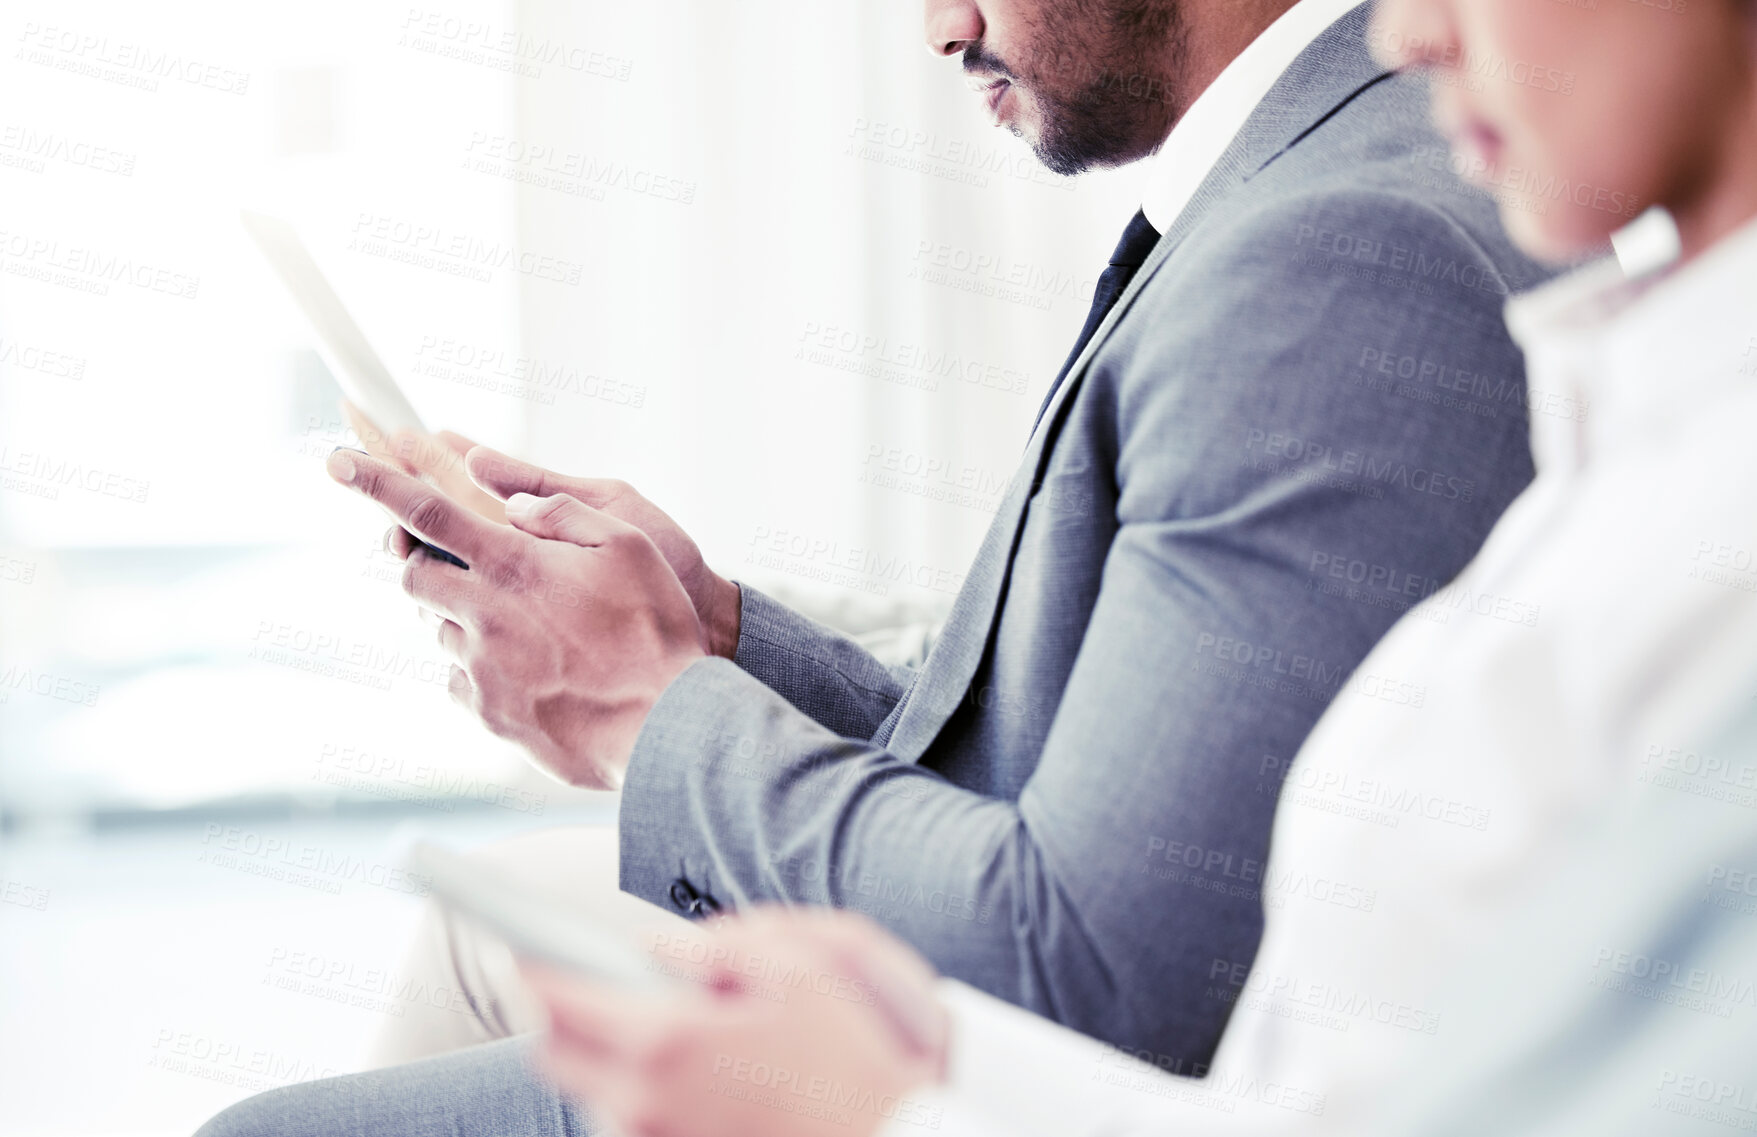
x=1084 y=82
x=1578 y=115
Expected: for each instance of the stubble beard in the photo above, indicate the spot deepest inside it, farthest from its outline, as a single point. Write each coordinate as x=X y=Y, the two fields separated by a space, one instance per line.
x=1119 y=101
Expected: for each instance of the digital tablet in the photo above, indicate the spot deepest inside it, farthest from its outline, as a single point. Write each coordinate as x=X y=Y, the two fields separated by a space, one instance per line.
x=363 y=377
x=533 y=924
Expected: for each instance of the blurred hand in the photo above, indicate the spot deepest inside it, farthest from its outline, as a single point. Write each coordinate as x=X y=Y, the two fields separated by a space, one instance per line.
x=806 y=1023
x=567 y=625
x=437 y=459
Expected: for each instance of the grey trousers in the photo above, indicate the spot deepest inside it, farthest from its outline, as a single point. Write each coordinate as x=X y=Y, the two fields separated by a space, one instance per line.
x=483 y=1091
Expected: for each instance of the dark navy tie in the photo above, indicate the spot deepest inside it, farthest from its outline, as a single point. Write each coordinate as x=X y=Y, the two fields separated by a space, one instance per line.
x=1131 y=252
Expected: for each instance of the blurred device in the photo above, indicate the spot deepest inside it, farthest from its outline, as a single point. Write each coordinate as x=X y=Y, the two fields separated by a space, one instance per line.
x=362 y=375
x=532 y=924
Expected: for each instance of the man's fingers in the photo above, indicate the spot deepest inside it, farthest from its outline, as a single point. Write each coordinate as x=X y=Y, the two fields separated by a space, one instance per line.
x=435 y=457
x=458 y=683
x=378 y=443
x=856 y=948
x=423 y=510
x=562 y=518
x=458 y=443
x=399 y=542
x=503 y=475
x=596 y=1017
x=452 y=639
x=443 y=590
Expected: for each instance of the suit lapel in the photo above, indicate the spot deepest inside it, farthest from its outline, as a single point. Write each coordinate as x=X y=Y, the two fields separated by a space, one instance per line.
x=1321 y=80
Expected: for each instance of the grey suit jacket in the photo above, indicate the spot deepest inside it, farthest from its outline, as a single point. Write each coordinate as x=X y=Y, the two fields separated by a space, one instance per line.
x=1302 y=416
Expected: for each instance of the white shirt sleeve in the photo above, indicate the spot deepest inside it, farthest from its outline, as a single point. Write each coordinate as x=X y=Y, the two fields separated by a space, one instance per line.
x=1010 y=1073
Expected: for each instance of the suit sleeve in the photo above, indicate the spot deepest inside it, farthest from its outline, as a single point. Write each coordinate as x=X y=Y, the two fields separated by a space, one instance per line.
x=1247 y=450
x=821 y=672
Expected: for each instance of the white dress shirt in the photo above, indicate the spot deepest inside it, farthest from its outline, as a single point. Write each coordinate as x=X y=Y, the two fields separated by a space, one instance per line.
x=1209 y=124
x=1605 y=632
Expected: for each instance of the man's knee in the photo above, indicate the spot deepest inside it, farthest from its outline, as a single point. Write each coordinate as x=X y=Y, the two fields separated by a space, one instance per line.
x=483 y=1091
x=275 y=1113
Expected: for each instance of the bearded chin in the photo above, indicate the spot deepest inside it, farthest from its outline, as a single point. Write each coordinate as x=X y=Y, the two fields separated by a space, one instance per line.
x=1095 y=129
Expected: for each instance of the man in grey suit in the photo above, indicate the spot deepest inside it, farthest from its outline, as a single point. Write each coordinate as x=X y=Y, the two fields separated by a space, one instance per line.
x=1294 y=412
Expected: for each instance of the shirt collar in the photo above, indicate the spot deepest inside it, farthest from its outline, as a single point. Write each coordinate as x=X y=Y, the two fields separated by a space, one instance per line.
x=1636 y=355
x=1211 y=123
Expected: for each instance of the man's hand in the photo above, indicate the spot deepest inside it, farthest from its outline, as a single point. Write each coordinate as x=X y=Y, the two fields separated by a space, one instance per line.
x=568 y=626
x=803 y=1024
x=715 y=597
x=437 y=459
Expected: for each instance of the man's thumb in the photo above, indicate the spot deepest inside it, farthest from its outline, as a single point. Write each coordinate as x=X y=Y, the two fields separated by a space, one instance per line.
x=558 y=518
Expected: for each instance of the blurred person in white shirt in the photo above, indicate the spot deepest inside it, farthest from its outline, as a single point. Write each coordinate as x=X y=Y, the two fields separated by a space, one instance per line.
x=1495 y=908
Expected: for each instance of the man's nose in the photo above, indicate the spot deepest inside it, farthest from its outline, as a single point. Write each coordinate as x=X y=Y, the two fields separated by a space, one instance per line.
x=952 y=25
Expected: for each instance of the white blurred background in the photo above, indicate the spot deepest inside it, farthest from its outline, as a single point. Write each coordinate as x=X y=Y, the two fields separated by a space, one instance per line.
x=809 y=303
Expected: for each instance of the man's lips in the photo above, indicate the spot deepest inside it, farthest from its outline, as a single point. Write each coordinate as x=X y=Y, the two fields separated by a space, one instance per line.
x=1476 y=144
x=992 y=92
x=1479 y=146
